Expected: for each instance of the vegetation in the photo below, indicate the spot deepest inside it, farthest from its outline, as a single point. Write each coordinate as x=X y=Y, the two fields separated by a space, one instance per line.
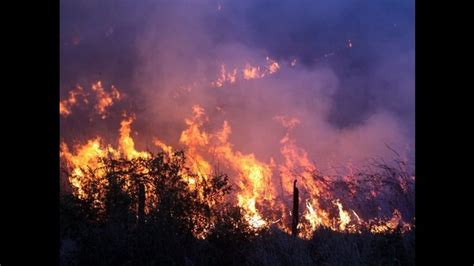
x=126 y=230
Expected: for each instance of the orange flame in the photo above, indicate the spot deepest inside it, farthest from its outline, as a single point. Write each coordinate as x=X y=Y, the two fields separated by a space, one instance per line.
x=254 y=177
x=72 y=100
x=263 y=204
x=225 y=77
x=104 y=99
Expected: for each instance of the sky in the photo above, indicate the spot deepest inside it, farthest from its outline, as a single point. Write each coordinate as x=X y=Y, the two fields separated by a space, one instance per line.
x=352 y=86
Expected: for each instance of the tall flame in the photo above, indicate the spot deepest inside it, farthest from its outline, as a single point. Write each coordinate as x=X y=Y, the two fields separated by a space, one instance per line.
x=256 y=194
x=254 y=177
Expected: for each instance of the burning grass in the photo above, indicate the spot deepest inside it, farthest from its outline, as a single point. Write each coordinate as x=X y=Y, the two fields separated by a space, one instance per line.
x=143 y=210
x=172 y=206
x=377 y=198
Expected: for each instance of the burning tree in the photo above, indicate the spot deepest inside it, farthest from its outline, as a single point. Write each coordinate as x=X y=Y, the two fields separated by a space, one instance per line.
x=153 y=189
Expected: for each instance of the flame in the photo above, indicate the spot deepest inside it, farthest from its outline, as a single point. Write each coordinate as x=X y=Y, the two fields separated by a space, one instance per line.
x=297 y=164
x=72 y=100
x=312 y=216
x=86 y=157
x=344 y=218
x=225 y=77
x=166 y=148
x=388 y=226
x=126 y=143
x=248 y=72
x=254 y=176
x=255 y=72
x=63 y=109
x=195 y=139
x=104 y=99
x=272 y=66
x=251 y=72
x=256 y=192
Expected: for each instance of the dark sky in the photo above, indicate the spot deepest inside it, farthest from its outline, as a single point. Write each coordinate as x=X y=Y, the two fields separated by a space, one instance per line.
x=149 y=48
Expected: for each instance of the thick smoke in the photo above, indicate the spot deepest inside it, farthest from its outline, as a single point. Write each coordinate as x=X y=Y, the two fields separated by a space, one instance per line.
x=351 y=101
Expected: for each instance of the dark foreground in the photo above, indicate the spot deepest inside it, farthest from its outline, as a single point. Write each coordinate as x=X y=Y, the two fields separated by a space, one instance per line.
x=85 y=243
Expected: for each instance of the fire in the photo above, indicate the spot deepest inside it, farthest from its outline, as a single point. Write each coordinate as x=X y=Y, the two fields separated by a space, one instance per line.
x=254 y=177
x=312 y=216
x=298 y=164
x=88 y=157
x=256 y=192
x=252 y=216
x=225 y=77
x=273 y=66
x=85 y=158
x=127 y=145
x=248 y=72
x=344 y=218
x=195 y=140
x=63 y=110
x=74 y=95
x=103 y=99
x=390 y=225
x=166 y=148
x=251 y=72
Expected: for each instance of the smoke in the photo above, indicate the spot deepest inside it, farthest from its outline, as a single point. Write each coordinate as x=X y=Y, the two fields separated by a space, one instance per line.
x=351 y=101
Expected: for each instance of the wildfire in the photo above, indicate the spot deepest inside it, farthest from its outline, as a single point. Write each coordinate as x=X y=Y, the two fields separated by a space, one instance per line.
x=103 y=99
x=252 y=72
x=254 y=177
x=380 y=227
x=344 y=218
x=272 y=66
x=312 y=217
x=248 y=72
x=72 y=100
x=88 y=157
x=225 y=77
x=127 y=145
x=255 y=180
